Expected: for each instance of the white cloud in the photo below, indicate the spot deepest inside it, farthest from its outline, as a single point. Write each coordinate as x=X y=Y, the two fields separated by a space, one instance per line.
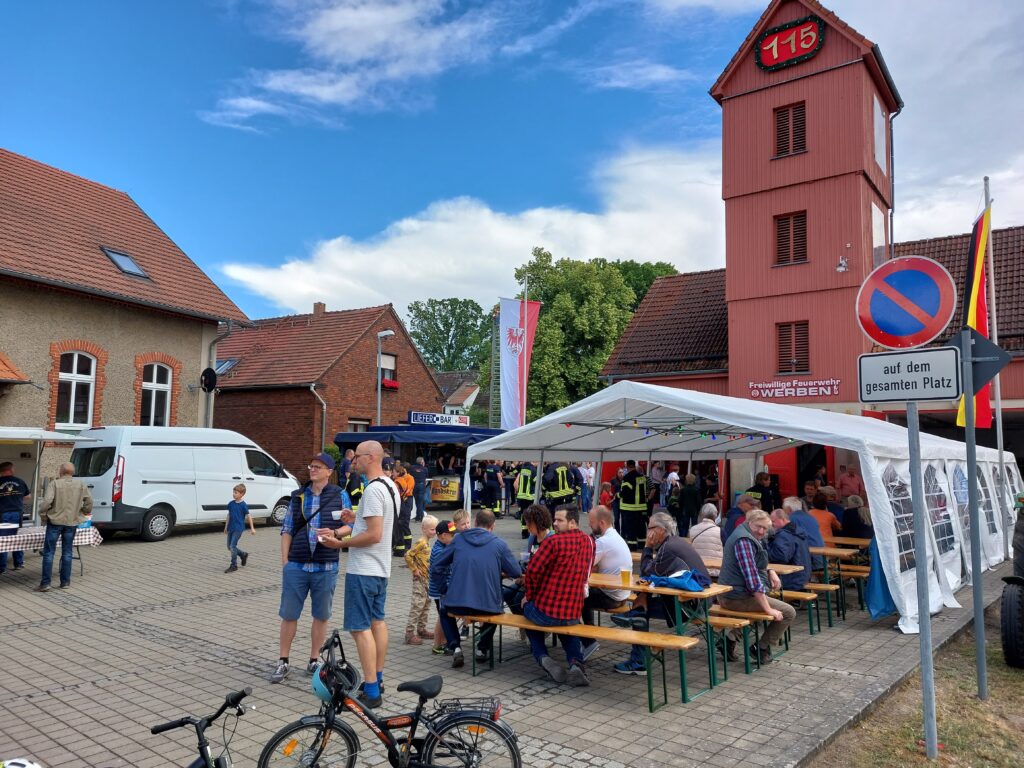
x=657 y=204
x=639 y=74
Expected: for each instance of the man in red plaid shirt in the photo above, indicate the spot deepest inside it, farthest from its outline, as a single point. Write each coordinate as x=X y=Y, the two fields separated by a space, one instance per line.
x=555 y=583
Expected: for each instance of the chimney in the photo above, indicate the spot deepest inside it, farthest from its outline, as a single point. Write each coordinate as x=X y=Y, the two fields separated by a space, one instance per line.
x=319 y=308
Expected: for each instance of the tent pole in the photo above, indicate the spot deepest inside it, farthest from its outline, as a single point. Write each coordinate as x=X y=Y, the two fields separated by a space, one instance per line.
x=35 y=482
x=595 y=491
x=540 y=478
x=467 y=489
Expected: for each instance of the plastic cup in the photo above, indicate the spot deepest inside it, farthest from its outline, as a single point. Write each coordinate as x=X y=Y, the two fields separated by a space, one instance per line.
x=627 y=576
x=336 y=514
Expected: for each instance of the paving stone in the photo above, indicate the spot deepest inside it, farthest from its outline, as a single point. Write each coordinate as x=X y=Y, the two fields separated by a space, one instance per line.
x=155 y=631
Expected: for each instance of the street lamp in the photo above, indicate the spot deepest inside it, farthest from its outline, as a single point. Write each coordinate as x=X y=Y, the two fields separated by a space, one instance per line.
x=380 y=336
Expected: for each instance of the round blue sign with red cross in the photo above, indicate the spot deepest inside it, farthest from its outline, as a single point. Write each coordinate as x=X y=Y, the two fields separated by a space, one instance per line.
x=906 y=302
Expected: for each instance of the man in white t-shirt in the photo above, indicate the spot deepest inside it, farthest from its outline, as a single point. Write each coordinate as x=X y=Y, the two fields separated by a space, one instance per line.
x=611 y=555
x=369 y=566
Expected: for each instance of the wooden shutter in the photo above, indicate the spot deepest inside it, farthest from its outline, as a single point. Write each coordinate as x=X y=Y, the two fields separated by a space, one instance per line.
x=791 y=238
x=790 y=130
x=782 y=132
x=794 y=352
x=799 y=121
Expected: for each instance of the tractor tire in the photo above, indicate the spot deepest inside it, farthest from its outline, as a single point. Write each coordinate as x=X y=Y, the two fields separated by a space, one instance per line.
x=1013 y=625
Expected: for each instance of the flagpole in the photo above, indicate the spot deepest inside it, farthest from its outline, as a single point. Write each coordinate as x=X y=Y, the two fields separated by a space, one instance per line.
x=525 y=314
x=994 y=336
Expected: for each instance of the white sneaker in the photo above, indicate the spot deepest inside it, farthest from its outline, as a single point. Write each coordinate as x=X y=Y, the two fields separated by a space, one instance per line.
x=280 y=673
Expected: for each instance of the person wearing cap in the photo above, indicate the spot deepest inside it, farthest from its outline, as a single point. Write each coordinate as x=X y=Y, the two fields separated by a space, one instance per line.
x=437 y=583
x=308 y=568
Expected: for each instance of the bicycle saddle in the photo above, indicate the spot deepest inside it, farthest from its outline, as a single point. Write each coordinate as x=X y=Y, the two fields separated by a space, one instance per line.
x=426 y=689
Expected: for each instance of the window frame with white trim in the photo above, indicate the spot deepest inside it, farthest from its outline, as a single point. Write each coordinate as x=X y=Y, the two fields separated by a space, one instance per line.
x=75 y=381
x=153 y=388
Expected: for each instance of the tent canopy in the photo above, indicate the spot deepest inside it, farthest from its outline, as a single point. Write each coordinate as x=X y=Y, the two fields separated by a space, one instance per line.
x=630 y=420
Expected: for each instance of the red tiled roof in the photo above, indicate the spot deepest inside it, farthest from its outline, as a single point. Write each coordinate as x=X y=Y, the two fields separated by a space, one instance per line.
x=681 y=325
x=450 y=381
x=52 y=225
x=462 y=394
x=297 y=349
x=9 y=373
x=1008 y=262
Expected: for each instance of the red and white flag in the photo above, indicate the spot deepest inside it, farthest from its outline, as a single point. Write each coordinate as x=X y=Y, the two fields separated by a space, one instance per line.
x=517 y=323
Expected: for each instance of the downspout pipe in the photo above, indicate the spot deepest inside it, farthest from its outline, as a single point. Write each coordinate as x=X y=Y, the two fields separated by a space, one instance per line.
x=323 y=418
x=211 y=362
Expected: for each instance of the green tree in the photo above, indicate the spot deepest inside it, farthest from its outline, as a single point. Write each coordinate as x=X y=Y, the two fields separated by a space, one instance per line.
x=585 y=306
x=640 y=274
x=452 y=334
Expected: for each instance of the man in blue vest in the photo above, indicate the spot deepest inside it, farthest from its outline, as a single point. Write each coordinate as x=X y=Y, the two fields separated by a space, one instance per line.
x=308 y=568
x=745 y=569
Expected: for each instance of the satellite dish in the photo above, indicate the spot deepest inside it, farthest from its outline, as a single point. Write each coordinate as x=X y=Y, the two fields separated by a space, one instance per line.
x=208 y=380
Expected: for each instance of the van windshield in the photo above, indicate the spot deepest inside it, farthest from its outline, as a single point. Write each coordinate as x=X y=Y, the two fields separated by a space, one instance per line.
x=92 y=462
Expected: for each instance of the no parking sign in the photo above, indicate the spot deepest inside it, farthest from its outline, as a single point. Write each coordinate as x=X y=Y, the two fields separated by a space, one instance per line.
x=906 y=302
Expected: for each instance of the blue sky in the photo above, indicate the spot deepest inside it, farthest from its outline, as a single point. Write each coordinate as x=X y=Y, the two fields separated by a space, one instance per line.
x=358 y=152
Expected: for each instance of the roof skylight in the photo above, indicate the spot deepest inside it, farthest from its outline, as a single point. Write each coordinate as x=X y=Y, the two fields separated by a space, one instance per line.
x=125 y=263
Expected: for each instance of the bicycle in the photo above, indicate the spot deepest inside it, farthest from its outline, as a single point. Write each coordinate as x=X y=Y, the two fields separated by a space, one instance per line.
x=206 y=759
x=458 y=732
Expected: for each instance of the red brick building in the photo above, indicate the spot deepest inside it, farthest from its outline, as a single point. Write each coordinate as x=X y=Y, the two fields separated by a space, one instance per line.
x=807 y=107
x=291 y=383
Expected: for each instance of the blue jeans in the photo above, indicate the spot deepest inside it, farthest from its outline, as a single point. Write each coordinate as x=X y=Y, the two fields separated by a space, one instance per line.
x=233 y=537
x=422 y=499
x=585 y=499
x=572 y=645
x=66 y=534
x=19 y=556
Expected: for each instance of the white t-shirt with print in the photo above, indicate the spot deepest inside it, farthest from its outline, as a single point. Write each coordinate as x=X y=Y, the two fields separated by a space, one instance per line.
x=380 y=499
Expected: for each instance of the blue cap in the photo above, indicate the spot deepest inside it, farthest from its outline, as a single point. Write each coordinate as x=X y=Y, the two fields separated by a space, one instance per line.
x=325 y=459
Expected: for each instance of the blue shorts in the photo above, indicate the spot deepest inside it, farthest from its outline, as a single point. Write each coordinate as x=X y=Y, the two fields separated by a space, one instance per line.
x=297 y=583
x=364 y=600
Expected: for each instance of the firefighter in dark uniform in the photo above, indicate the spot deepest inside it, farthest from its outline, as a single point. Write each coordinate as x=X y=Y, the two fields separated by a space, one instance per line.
x=765 y=492
x=559 y=485
x=633 y=507
x=525 y=483
x=492 y=478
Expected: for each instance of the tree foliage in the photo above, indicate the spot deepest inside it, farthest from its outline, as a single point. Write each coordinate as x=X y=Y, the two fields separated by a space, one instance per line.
x=585 y=307
x=452 y=334
x=640 y=274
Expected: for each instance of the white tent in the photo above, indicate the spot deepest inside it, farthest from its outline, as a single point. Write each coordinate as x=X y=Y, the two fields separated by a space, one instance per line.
x=631 y=420
x=25 y=445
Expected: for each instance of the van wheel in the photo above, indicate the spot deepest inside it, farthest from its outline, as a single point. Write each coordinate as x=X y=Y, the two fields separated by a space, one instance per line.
x=280 y=510
x=157 y=524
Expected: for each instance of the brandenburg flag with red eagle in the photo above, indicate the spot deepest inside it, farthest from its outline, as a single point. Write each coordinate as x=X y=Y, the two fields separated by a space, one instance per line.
x=976 y=312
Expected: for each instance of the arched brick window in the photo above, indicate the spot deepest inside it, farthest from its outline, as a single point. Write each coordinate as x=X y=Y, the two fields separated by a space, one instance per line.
x=77 y=380
x=157 y=384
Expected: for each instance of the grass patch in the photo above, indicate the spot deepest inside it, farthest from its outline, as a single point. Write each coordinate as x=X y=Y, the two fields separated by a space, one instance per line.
x=979 y=734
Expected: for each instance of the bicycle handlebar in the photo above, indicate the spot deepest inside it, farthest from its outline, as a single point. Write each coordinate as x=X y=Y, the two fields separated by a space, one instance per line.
x=169 y=726
x=231 y=700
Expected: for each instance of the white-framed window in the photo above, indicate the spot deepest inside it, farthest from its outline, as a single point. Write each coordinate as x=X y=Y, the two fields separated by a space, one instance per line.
x=388 y=367
x=879 y=243
x=156 y=396
x=76 y=388
x=881 y=126
x=358 y=425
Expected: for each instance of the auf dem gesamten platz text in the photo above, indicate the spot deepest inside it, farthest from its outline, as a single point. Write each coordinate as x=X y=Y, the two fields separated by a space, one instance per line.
x=908 y=384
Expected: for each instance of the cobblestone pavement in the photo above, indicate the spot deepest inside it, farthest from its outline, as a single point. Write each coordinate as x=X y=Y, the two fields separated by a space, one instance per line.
x=155 y=631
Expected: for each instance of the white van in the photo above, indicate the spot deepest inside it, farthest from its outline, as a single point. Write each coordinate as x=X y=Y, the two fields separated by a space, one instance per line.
x=150 y=479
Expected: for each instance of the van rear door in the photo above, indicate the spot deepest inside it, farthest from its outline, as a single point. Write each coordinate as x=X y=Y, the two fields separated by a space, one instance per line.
x=218 y=471
x=94 y=466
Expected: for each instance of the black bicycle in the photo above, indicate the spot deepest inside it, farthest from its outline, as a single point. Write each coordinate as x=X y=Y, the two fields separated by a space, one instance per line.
x=456 y=732
x=206 y=759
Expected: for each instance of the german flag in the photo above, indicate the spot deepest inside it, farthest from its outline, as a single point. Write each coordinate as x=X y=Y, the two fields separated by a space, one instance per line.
x=976 y=312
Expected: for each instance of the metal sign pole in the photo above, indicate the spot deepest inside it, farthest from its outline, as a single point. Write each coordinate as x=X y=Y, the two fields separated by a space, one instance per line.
x=924 y=619
x=967 y=361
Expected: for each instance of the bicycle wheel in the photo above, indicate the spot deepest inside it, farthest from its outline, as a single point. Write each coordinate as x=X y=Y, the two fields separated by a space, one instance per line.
x=471 y=741
x=298 y=745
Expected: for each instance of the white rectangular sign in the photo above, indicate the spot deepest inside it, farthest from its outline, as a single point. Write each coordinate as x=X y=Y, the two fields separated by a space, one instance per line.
x=921 y=374
x=438 y=419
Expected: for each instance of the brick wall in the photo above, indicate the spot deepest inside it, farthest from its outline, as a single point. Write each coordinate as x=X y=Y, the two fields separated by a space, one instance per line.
x=286 y=422
x=281 y=421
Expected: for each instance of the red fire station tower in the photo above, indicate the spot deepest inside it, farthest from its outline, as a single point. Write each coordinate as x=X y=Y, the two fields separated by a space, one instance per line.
x=807 y=105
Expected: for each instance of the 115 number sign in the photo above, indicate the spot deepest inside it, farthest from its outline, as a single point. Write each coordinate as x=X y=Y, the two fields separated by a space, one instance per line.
x=790 y=44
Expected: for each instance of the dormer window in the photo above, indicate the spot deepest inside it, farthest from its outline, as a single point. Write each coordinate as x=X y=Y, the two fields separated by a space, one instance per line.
x=125 y=263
